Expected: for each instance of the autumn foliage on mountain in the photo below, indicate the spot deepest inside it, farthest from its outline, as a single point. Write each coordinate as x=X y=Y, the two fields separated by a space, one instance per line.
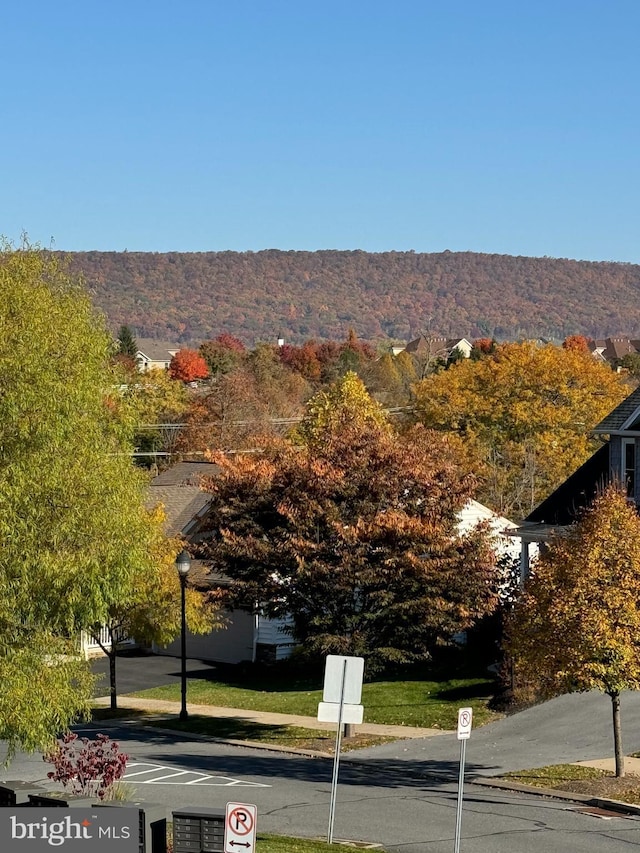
x=190 y=298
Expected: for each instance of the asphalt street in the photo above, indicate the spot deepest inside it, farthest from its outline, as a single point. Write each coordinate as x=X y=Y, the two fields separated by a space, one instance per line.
x=402 y=795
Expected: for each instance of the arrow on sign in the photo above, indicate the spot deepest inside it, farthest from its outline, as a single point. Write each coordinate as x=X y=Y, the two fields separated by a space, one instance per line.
x=239 y=844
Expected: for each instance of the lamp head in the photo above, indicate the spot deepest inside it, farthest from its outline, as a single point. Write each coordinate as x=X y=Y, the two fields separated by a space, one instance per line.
x=183 y=563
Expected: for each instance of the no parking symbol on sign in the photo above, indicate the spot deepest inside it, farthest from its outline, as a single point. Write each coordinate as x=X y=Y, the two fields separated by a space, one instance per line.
x=465 y=718
x=240 y=828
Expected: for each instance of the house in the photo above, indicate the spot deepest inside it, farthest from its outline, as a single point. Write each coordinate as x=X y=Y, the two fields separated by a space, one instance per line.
x=438 y=347
x=246 y=636
x=155 y=355
x=617 y=460
x=613 y=350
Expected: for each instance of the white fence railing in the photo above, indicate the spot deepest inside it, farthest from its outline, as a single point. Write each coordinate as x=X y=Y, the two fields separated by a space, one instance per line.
x=90 y=645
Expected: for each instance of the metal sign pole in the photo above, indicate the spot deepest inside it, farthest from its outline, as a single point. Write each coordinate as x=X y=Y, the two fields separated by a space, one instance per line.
x=463 y=746
x=336 y=759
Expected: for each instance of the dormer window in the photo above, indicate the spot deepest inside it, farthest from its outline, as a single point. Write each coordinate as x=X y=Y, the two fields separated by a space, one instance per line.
x=629 y=465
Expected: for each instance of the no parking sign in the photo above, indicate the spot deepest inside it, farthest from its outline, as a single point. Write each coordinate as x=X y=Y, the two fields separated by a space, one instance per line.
x=240 y=828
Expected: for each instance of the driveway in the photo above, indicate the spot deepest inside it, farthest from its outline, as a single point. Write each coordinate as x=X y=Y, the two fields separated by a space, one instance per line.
x=139 y=671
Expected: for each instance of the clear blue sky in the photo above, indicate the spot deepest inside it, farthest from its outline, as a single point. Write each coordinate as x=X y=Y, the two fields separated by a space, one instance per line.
x=195 y=125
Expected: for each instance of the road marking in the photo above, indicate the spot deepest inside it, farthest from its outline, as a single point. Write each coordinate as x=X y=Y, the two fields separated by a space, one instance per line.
x=159 y=774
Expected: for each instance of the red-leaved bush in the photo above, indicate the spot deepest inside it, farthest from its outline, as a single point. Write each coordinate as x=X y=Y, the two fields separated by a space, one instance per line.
x=86 y=767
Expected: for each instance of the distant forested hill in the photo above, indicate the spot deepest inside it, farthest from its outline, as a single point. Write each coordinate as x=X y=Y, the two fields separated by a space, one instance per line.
x=191 y=297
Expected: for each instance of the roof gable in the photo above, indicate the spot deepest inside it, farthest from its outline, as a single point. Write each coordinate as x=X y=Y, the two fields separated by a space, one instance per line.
x=623 y=417
x=565 y=504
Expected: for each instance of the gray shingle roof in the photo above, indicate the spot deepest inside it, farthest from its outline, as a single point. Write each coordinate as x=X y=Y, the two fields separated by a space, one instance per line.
x=178 y=490
x=156 y=350
x=616 y=419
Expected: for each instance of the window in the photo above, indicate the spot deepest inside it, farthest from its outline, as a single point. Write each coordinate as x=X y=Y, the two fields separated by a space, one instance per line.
x=629 y=465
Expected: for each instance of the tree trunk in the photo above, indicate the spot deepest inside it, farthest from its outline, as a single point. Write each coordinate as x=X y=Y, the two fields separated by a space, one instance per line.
x=112 y=672
x=617 y=734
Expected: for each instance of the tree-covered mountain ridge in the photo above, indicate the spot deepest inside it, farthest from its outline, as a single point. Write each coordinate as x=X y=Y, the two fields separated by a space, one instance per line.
x=260 y=296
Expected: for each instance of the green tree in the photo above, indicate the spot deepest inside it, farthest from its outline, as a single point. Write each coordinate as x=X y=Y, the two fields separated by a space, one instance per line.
x=151 y=611
x=73 y=526
x=525 y=412
x=577 y=625
x=352 y=530
x=127 y=344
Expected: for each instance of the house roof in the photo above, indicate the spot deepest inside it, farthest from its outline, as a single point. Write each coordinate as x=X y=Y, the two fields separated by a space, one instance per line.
x=565 y=504
x=434 y=345
x=612 y=349
x=155 y=350
x=178 y=490
x=622 y=417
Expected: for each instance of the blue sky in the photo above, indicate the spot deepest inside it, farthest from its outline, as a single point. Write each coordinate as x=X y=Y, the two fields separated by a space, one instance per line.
x=199 y=125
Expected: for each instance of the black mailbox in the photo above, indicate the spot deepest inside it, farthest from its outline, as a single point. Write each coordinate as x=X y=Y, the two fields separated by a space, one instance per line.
x=49 y=800
x=152 y=824
x=198 y=831
x=16 y=793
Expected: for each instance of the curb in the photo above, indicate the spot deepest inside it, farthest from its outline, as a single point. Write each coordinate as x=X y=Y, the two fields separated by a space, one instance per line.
x=630 y=809
x=248 y=744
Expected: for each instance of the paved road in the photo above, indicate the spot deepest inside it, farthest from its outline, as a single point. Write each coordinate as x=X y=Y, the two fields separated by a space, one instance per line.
x=391 y=794
x=378 y=799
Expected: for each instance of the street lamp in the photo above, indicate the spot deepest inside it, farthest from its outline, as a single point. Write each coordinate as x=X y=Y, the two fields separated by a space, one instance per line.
x=183 y=564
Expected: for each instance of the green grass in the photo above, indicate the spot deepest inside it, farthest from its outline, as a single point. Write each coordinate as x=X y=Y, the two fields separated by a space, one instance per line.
x=291 y=736
x=556 y=775
x=408 y=702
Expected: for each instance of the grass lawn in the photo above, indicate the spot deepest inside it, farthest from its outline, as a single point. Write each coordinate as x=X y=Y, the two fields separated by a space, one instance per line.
x=410 y=702
x=581 y=780
x=291 y=736
x=232 y=728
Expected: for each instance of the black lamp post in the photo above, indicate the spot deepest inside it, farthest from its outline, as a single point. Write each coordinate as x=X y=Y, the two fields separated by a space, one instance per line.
x=183 y=564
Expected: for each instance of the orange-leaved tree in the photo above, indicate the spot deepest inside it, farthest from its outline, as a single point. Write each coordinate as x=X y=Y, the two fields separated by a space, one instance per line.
x=188 y=365
x=351 y=529
x=577 y=625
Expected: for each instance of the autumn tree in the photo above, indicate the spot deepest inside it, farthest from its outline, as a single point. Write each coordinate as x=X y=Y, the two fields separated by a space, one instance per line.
x=151 y=609
x=157 y=404
x=576 y=342
x=73 y=525
x=577 y=625
x=187 y=365
x=525 y=412
x=230 y=416
x=352 y=530
x=223 y=354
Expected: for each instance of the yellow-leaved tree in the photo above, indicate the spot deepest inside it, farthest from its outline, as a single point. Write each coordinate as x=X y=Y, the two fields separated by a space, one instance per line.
x=577 y=625
x=525 y=412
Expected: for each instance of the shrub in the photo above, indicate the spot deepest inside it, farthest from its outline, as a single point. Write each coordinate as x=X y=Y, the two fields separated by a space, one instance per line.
x=90 y=768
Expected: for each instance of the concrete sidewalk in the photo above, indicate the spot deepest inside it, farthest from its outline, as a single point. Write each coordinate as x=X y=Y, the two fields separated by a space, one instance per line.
x=161 y=706
x=631 y=765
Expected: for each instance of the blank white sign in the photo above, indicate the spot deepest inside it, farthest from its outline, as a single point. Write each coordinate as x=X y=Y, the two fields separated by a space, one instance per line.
x=328 y=712
x=333 y=675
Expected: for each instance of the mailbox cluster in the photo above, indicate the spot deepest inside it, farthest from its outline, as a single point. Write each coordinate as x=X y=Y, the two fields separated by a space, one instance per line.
x=198 y=831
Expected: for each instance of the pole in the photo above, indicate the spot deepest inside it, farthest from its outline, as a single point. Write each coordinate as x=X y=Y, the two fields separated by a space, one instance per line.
x=463 y=746
x=336 y=760
x=184 y=715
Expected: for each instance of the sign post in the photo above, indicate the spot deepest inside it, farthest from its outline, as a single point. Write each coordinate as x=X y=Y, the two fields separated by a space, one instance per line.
x=240 y=828
x=465 y=718
x=340 y=703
